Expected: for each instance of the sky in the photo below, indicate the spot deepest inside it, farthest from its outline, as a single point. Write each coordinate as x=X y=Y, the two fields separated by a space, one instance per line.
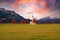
x=36 y=8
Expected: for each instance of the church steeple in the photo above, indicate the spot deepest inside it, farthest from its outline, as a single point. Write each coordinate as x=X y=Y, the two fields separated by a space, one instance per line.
x=33 y=20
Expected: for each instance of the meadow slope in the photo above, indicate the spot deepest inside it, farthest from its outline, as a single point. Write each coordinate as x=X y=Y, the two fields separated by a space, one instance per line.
x=29 y=32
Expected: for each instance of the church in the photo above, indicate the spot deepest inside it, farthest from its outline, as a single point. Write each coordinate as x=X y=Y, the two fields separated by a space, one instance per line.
x=33 y=20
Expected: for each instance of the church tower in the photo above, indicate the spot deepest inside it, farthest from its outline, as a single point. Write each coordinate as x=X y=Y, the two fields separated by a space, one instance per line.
x=33 y=20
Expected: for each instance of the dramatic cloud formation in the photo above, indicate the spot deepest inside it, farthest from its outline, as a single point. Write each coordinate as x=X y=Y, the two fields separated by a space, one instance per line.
x=43 y=3
x=28 y=7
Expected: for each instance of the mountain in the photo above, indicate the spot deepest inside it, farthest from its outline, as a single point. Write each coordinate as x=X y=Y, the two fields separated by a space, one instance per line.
x=48 y=20
x=45 y=20
x=56 y=20
x=6 y=16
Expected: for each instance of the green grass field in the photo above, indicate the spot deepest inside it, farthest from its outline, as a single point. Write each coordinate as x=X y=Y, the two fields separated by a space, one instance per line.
x=29 y=32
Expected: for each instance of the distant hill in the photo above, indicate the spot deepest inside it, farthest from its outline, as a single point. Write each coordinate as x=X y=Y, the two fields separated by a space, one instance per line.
x=6 y=16
x=44 y=20
x=48 y=20
x=56 y=20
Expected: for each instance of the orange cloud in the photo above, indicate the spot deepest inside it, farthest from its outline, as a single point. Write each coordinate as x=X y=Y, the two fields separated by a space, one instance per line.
x=42 y=3
x=38 y=10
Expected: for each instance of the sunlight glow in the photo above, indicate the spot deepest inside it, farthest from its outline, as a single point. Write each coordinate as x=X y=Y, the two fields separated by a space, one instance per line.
x=29 y=8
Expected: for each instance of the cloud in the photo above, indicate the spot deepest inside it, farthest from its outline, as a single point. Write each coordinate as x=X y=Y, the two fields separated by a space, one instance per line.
x=8 y=1
x=49 y=4
x=2 y=0
x=57 y=4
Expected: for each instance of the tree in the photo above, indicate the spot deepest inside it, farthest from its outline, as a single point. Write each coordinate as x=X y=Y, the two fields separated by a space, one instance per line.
x=13 y=21
x=23 y=22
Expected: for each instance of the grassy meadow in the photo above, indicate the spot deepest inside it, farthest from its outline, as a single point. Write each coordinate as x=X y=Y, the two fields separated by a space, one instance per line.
x=29 y=32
